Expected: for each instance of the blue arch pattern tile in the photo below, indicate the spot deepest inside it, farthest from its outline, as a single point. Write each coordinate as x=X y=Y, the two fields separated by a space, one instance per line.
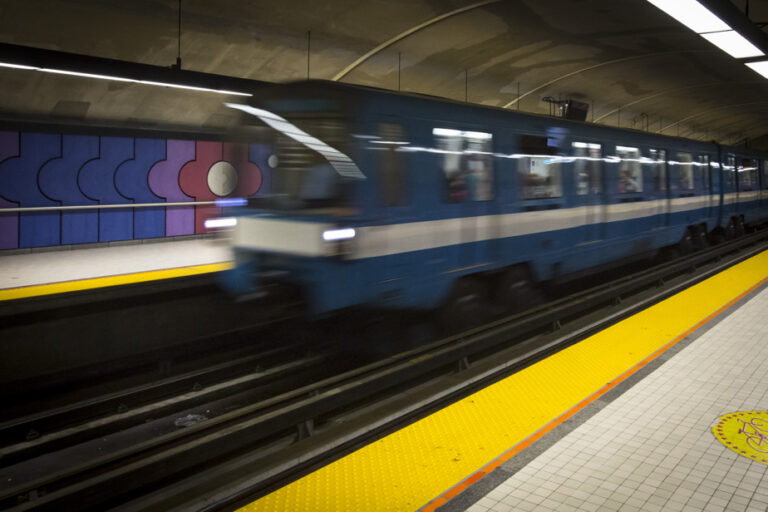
x=9 y=222
x=19 y=183
x=132 y=181
x=58 y=180
x=97 y=181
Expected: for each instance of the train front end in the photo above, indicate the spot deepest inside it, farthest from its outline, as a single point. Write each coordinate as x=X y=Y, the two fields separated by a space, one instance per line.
x=297 y=238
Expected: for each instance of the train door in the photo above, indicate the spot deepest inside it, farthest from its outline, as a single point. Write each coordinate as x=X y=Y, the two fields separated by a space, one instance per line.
x=764 y=186
x=662 y=205
x=685 y=188
x=393 y=196
x=704 y=180
x=588 y=173
x=467 y=166
x=748 y=187
x=730 y=194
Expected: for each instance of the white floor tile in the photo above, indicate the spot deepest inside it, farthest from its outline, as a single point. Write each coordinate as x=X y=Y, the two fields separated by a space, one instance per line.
x=652 y=448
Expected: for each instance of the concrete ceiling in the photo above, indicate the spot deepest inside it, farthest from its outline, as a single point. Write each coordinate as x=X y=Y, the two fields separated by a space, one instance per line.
x=634 y=64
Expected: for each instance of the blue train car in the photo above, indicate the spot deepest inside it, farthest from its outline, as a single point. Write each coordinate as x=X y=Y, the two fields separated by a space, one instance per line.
x=411 y=202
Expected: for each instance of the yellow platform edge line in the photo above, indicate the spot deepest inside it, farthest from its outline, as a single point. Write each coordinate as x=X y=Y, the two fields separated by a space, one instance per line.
x=38 y=290
x=488 y=468
x=418 y=467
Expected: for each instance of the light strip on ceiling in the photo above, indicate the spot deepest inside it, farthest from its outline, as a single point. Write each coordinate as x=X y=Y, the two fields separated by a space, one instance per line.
x=760 y=67
x=734 y=44
x=15 y=66
x=692 y=14
x=122 y=79
x=705 y=23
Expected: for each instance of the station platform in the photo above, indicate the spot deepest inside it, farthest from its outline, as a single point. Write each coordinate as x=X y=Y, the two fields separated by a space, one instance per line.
x=665 y=410
x=34 y=274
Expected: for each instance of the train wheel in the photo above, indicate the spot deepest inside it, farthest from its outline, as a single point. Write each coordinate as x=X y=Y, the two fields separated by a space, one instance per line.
x=717 y=237
x=465 y=308
x=699 y=238
x=739 y=229
x=685 y=245
x=515 y=290
x=668 y=253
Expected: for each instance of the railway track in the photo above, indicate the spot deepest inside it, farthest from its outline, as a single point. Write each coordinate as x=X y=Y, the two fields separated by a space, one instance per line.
x=219 y=461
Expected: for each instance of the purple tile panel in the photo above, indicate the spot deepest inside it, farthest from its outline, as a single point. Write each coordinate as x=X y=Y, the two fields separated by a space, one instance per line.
x=9 y=222
x=164 y=182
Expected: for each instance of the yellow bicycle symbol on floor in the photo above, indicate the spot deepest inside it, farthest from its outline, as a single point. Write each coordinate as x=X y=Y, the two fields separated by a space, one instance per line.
x=756 y=432
x=746 y=433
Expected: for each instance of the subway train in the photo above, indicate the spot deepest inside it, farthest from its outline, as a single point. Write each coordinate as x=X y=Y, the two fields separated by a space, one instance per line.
x=410 y=202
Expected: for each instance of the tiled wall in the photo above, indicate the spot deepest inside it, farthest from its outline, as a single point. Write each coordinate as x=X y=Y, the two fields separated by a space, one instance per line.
x=41 y=169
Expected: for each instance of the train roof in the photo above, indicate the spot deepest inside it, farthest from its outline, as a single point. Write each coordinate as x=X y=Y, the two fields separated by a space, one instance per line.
x=347 y=91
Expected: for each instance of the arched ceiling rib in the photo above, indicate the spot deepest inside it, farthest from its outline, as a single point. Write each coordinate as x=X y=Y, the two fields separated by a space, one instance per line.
x=565 y=76
x=399 y=37
x=674 y=91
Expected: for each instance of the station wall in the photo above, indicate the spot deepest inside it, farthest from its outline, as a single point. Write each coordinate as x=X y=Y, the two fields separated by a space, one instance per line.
x=59 y=169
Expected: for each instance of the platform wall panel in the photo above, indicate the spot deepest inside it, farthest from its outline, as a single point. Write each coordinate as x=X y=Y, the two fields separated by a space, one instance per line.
x=67 y=169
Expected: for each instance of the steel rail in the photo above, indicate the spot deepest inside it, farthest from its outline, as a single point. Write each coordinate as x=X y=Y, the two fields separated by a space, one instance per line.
x=58 y=428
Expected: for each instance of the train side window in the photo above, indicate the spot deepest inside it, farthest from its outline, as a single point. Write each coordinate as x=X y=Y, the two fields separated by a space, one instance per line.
x=630 y=171
x=685 y=171
x=659 y=168
x=467 y=163
x=393 y=182
x=747 y=175
x=586 y=165
x=538 y=168
x=705 y=172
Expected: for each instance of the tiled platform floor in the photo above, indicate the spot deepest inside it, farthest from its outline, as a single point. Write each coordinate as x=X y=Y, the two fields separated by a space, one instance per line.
x=37 y=268
x=652 y=448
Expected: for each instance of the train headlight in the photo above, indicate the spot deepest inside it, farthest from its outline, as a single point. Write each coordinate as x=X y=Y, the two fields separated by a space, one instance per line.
x=221 y=222
x=339 y=241
x=332 y=235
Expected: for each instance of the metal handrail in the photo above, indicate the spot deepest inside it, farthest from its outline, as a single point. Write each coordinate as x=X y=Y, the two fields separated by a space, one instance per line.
x=219 y=202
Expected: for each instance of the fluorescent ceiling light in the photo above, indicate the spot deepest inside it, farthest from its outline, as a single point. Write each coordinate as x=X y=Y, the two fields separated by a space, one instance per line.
x=122 y=79
x=734 y=44
x=15 y=66
x=761 y=67
x=85 y=75
x=692 y=14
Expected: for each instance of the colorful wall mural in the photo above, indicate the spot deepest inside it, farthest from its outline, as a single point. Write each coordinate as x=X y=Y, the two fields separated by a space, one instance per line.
x=38 y=169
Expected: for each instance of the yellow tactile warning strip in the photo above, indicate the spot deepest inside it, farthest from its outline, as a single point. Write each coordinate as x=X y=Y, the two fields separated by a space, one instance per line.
x=428 y=462
x=101 y=282
x=746 y=433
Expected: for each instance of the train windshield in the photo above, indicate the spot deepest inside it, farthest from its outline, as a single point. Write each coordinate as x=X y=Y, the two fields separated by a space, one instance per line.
x=311 y=169
x=306 y=176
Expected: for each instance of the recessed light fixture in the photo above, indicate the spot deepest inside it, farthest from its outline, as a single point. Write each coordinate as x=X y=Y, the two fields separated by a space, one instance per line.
x=709 y=26
x=692 y=14
x=761 y=67
x=734 y=44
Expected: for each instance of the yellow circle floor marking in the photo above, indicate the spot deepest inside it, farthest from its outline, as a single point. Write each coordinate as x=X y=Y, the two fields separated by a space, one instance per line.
x=746 y=433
